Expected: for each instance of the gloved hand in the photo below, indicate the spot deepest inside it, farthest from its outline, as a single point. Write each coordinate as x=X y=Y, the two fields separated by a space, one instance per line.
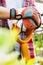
x=30 y=17
x=33 y=20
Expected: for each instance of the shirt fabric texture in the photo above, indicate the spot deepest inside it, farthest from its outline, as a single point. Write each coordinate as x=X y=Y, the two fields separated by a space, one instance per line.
x=3 y=23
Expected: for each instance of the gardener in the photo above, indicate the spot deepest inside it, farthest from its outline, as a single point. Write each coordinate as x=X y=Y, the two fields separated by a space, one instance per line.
x=22 y=4
x=7 y=13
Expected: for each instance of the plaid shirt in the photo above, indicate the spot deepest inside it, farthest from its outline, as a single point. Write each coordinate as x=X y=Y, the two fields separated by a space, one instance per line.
x=3 y=23
x=27 y=3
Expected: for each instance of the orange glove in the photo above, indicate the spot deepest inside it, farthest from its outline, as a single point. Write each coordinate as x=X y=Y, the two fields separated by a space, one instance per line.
x=33 y=20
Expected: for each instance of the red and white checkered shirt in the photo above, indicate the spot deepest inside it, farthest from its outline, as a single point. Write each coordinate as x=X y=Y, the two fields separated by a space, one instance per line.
x=28 y=3
x=3 y=23
x=2 y=3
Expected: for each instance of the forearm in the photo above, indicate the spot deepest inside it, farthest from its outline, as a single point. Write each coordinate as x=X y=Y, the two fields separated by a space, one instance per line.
x=4 y=13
